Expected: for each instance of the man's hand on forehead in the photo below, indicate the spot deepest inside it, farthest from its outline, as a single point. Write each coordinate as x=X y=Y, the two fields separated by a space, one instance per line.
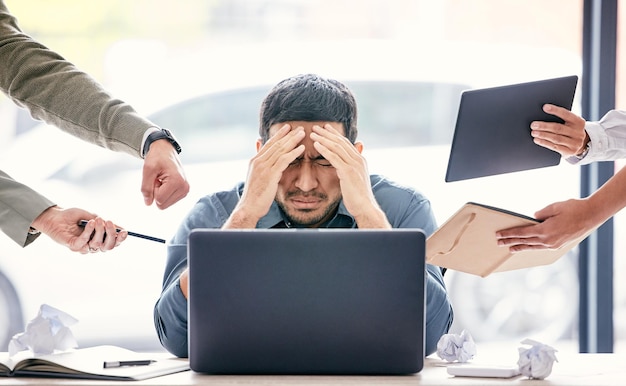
x=329 y=135
x=333 y=145
x=286 y=139
x=264 y=173
x=352 y=171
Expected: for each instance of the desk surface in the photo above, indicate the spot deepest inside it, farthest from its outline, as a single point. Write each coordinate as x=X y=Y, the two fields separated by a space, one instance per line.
x=572 y=369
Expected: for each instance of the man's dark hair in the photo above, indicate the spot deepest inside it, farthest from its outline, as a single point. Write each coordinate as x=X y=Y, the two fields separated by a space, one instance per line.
x=309 y=98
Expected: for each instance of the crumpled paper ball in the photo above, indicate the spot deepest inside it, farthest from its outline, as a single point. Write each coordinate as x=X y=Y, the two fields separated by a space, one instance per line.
x=456 y=347
x=536 y=362
x=47 y=332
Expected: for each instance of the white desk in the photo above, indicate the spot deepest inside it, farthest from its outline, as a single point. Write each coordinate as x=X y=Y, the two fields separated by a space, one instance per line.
x=572 y=369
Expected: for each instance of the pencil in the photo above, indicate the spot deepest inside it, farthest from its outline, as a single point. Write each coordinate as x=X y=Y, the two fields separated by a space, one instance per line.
x=82 y=223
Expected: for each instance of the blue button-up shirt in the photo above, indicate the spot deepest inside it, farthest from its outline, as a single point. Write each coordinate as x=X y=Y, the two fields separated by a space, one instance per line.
x=403 y=206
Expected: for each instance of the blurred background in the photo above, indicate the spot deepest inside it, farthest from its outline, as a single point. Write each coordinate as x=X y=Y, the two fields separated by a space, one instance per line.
x=202 y=67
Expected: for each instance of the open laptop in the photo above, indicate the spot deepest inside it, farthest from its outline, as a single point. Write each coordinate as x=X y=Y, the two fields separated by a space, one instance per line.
x=306 y=301
x=492 y=133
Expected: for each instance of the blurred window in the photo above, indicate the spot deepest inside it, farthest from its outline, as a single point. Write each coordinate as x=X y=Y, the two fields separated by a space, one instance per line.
x=220 y=126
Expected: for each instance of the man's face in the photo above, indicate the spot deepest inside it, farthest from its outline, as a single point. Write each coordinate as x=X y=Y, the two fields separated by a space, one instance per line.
x=309 y=191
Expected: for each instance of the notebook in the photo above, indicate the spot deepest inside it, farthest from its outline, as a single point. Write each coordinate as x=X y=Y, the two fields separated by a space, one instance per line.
x=88 y=363
x=492 y=133
x=306 y=301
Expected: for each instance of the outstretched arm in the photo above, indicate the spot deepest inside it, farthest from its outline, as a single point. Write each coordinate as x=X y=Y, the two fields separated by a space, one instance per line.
x=56 y=92
x=61 y=225
x=25 y=215
x=564 y=221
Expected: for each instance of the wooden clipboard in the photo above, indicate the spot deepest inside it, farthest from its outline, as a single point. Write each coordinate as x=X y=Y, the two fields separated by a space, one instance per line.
x=467 y=242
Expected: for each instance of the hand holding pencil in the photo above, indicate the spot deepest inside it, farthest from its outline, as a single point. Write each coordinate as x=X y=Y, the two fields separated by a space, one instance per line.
x=82 y=223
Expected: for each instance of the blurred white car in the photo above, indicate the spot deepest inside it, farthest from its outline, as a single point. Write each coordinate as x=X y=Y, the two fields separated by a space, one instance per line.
x=406 y=120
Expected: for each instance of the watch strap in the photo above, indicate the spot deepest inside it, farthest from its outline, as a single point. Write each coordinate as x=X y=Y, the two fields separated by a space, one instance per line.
x=160 y=134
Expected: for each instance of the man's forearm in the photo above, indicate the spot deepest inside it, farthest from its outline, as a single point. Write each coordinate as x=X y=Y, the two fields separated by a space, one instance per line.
x=241 y=219
x=372 y=219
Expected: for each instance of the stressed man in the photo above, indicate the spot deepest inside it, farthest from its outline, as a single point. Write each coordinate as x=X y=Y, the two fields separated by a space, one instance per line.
x=308 y=173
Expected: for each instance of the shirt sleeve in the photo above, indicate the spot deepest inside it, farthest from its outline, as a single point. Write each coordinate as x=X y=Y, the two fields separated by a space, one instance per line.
x=607 y=139
x=407 y=208
x=404 y=206
x=19 y=207
x=170 y=310
x=58 y=93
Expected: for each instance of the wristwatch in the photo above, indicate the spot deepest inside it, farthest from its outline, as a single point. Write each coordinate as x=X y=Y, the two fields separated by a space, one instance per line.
x=160 y=134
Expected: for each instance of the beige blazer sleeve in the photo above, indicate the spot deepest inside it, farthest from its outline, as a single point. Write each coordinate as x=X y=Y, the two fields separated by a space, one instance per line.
x=55 y=91
x=19 y=206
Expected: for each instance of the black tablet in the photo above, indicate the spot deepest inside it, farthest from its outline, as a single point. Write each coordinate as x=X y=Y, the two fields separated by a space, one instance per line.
x=492 y=133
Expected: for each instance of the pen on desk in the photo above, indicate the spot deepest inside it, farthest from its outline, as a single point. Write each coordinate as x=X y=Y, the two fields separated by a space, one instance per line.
x=82 y=223
x=112 y=364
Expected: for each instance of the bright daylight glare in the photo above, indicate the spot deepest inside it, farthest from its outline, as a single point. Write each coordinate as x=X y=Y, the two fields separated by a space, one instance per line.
x=201 y=69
